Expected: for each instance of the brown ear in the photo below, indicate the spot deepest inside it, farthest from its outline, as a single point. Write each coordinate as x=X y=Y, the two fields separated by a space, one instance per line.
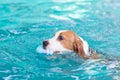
x=78 y=47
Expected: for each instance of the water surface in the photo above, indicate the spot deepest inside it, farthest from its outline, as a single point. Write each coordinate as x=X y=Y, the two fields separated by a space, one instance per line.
x=25 y=24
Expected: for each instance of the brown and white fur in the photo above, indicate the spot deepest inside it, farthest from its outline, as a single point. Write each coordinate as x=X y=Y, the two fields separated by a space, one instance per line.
x=66 y=40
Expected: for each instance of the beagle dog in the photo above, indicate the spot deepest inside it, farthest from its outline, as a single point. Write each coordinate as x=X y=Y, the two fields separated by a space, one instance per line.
x=66 y=40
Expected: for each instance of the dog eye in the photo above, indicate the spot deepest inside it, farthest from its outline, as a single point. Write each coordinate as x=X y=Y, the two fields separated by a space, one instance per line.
x=61 y=38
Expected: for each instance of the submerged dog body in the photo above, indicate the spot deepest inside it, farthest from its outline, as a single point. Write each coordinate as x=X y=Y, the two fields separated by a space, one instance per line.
x=67 y=40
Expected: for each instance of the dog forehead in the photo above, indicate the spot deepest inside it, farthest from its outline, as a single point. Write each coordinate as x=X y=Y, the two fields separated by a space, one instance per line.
x=65 y=33
x=59 y=32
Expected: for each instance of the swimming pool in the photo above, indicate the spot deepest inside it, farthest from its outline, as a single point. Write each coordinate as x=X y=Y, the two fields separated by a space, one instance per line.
x=25 y=24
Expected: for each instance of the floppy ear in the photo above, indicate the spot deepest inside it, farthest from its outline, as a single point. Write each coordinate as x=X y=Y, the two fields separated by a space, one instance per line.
x=78 y=47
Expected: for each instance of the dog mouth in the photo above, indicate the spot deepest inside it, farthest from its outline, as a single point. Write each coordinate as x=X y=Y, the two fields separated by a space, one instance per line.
x=54 y=51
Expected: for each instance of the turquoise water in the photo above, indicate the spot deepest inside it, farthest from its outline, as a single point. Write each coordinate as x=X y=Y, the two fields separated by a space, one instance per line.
x=25 y=24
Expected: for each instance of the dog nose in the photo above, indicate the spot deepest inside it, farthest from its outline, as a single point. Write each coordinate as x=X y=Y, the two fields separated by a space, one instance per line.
x=45 y=43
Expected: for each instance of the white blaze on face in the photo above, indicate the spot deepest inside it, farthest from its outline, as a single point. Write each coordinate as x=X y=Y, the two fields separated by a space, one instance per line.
x=54 y=44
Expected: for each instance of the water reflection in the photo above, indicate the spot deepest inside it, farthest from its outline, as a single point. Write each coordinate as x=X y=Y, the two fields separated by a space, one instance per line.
x=69 y=9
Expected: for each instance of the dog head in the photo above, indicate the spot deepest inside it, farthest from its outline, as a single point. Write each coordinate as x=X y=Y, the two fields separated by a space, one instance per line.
x=67 y=40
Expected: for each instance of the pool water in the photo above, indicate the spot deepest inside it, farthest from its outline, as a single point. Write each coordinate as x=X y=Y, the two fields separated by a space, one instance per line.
x=25 y=24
